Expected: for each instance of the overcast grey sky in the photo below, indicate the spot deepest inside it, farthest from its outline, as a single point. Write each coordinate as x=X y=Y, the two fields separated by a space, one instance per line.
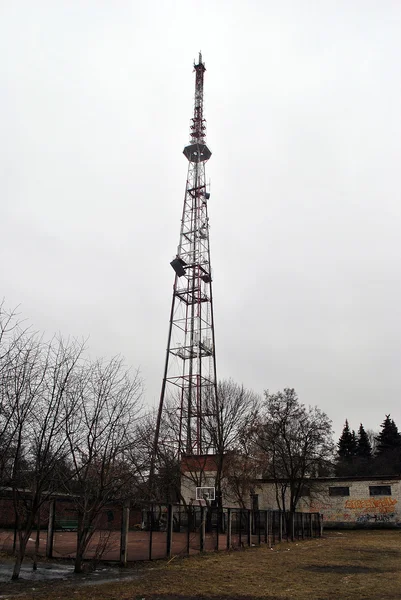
x=302 y=100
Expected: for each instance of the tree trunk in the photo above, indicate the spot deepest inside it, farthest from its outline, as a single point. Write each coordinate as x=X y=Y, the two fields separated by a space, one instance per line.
x=23 y=540
x=24 y=532
x=84 y=535
x=37 y=540
x=17 y=566
x=79 y=555
x=78 y=564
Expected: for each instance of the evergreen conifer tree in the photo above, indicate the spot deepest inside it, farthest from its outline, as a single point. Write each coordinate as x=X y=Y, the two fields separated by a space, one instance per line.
x=389 y=438
x=388 y=453
x=347 y=444
x=347 y=450
x=364 y=463
x=364 y=448
x=354 y=444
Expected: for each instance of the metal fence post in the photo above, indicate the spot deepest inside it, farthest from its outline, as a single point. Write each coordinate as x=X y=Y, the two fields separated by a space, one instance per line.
x=228 y=528
x=202 y=528
x=150 y=524
x=266 y=526
x=170 y=520
x=124 y=534
x=218 y=515
x=50 y=529
x=189 y=522
x=280 y=526
x=272 y=529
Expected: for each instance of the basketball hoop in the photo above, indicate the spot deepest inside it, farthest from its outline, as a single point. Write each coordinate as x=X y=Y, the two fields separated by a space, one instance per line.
x=205 y=494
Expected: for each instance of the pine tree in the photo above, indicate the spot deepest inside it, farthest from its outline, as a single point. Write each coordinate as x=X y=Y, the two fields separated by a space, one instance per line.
x=354 y=444
x=389 y=438
x=364 y=448
x=347 y=444
x=347 y=449
x=388 y=453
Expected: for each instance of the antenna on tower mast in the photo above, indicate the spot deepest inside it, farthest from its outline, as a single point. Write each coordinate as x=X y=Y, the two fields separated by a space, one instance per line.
x=189 y=380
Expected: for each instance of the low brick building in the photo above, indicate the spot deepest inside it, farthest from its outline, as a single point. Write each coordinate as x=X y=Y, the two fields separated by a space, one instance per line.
x=343 y=501
x=65 y=510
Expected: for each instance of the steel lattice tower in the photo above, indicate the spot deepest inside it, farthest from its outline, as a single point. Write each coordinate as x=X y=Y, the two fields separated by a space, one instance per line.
x=189 y=381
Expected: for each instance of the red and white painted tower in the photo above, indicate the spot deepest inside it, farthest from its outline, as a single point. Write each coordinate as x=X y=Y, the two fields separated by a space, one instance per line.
x=189 y=381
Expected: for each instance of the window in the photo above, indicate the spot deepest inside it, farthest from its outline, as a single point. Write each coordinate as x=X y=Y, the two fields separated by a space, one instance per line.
x=380 y=490
x=305 y=490
x=338 y=491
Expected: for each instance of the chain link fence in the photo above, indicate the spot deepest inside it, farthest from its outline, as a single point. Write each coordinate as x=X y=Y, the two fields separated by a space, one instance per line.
x=157 y=531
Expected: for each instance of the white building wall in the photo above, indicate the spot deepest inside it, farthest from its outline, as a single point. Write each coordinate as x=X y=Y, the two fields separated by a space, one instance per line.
x=189 y=483
x=359 y=508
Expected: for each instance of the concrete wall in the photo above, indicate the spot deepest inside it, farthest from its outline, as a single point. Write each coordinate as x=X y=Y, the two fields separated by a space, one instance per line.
x=358 y=509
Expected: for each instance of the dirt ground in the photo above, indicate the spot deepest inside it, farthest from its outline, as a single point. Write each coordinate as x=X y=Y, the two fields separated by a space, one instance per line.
x=343 y=565
x=107 y=544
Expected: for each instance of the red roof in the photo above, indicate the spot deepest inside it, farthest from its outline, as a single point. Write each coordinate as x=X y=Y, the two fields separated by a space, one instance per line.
x=199 y=462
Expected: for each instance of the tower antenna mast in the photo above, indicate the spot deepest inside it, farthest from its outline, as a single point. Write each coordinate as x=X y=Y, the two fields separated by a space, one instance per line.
x=189 y=385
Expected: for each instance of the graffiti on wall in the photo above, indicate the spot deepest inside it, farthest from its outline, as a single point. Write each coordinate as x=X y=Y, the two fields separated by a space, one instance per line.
x=318 y=506
x=379 y=505
x=362 y=510
x=368 y=518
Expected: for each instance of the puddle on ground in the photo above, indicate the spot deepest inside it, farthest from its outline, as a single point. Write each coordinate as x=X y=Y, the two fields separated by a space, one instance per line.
x=44 y=572
x=57 y=572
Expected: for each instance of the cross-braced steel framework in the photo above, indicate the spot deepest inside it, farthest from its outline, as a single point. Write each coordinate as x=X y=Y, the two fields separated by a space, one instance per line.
x=189 y=381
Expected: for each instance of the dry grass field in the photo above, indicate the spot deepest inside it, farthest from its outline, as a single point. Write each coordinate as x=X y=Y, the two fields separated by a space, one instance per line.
x=341 y=565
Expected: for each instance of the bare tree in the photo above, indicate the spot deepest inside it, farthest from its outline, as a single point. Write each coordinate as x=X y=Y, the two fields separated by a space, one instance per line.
x=64 y=424
x=11 y=330
x=13 y=341
x=240 y=472
x=165 y=484
x=34 y=393
x=225 y=424
x=296 y=442
x=100 y=435
x=229 y=418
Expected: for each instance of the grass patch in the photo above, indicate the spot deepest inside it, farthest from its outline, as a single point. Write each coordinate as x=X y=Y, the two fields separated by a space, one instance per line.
x=350 y=565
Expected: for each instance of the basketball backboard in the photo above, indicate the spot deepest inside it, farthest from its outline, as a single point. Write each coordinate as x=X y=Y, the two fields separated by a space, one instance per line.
x=205 y=493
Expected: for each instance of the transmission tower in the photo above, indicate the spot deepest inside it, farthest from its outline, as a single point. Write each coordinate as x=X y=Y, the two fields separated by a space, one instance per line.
x=189 y=381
